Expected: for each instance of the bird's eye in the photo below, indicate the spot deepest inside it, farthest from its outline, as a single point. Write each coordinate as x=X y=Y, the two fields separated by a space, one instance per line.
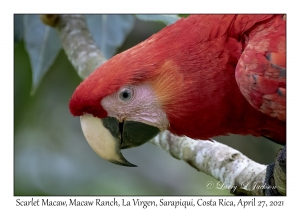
x=126 y=94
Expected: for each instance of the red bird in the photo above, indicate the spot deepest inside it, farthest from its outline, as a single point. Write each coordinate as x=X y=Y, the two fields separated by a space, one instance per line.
x=203 y=76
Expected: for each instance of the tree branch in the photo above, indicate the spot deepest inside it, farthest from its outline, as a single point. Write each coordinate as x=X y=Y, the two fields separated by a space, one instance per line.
x=231 y=167
x=227 y=165
x=77 y=42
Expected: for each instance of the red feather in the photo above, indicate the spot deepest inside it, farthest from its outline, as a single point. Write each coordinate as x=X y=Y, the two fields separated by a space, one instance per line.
x=191 y=66
x=261 y=70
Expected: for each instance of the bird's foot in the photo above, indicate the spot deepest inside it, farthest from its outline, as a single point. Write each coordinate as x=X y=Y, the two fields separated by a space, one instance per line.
x=275 y=180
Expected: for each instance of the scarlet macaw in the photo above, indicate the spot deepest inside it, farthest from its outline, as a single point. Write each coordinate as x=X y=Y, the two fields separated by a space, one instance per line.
x=203 y=76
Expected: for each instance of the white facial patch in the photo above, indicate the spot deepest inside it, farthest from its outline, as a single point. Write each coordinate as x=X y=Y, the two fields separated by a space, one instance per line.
x=142 y=106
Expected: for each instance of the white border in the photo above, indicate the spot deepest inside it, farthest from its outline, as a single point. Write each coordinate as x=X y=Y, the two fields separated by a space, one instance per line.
x=138 y=6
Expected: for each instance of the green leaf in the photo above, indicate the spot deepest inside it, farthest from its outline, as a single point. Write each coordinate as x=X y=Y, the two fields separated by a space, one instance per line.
x=110 y=31
x=18 y=28
x=42 y=45
x=183 y=15
x=167 y=19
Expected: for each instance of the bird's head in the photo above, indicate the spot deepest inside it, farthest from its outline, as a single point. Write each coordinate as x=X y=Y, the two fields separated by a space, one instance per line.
x=126 y=101
x=142 y=91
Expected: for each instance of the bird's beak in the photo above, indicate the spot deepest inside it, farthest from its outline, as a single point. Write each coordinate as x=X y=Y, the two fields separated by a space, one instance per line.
x=108 y=136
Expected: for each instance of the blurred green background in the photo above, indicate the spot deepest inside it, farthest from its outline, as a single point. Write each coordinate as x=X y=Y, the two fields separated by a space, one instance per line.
x=52 y=157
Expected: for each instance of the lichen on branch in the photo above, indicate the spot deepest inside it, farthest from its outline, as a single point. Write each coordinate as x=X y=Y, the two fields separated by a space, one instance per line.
x=77 y=42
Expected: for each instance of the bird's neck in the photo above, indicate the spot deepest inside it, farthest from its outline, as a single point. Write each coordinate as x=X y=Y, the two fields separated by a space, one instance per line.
x=210 y=103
